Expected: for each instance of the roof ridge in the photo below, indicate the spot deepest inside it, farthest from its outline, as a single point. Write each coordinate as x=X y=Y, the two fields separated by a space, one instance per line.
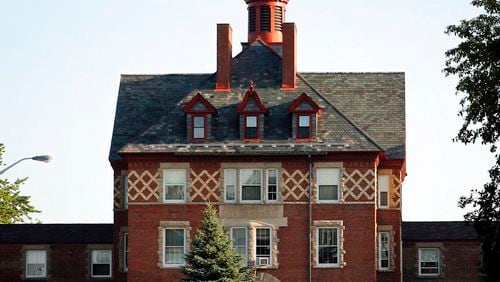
x=352 y=72
x=342 y=114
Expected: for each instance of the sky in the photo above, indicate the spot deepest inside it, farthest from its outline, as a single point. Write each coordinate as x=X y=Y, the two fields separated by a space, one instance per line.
x=60 y=65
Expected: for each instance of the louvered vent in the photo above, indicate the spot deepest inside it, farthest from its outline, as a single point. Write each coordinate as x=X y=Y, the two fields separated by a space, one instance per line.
x=251 y=19
x=278 y=18
x=265 y=18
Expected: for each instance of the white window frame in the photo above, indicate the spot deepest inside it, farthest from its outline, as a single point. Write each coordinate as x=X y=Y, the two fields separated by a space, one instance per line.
x=338 y=170
x=245 y=257
x=383 y=186
x=226 y=171
x=184 y=183
x=338 y=247
x=438 y=262
x=379 y=250
x=173 y=265
x=270 y=247
x=240 y=184
x=125 y=251
x=92 y=263
x=277 y=185
x=26 y=264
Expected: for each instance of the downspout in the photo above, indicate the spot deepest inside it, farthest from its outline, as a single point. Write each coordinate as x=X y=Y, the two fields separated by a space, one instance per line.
x=310 y=216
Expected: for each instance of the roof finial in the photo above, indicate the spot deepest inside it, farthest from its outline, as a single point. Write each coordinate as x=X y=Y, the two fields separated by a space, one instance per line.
x=251 y=86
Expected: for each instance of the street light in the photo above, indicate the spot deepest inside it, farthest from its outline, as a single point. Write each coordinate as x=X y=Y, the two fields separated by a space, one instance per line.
x=44 y=158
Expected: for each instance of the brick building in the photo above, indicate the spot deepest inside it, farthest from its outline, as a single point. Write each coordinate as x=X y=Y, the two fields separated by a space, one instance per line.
x=304 y=168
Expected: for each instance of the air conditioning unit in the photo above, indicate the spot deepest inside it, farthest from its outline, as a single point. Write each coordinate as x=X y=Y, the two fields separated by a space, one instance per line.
x=263 y=261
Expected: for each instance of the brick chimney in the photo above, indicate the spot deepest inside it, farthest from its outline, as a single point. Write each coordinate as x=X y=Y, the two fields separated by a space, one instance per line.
x=224 y=56
x=289 y=58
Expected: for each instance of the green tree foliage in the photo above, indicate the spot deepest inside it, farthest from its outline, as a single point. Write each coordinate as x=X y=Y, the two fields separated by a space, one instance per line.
x=13 y=206
x=212 y=257
x=476 y=62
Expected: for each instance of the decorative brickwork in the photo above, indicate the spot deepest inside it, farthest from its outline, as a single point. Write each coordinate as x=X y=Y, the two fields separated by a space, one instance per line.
x=359 y=185
x=204 y=186
x=143 y=186
x=116 y=191
x=295 y=185
x=396 y=192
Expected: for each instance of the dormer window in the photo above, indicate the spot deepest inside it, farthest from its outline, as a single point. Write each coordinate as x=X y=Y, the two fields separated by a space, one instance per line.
x=251 y=127
x=252 y=113
x=199 y=127
x=304 y=118
x=199 y=118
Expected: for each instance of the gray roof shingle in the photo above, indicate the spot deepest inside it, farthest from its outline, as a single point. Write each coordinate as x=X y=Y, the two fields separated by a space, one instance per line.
x=438 y=231
x=361 y=112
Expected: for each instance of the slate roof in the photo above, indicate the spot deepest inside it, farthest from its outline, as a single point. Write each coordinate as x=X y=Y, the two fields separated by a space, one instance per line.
x=56 y=233
x=361 y=111
x=438 y=230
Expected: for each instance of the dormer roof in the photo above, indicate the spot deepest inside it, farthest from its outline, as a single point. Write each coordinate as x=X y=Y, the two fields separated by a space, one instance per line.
x=251 y=103
x=199 y=104
x=304 y=104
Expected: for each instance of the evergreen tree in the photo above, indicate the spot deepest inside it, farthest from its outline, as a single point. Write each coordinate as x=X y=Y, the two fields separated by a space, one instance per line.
x=212 y=257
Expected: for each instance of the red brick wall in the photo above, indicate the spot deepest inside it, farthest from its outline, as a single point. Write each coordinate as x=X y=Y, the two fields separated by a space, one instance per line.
x=460 y=260
x=65 y=262
x=392 y=217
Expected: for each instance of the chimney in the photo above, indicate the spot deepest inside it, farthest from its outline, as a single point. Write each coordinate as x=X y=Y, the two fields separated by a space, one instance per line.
x=289 y=58
x=265 y=20
x=224 y=56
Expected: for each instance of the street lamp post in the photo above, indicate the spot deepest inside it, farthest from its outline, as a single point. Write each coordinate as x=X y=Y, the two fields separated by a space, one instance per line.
x=44 y=158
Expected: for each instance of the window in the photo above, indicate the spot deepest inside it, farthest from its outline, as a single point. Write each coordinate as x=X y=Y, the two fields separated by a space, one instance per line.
x=239 y=237
x=175 y=247
x=230 y=185
x=328 y=246
x=36 y=263
x=383 y=250
x=428 y=261
x=125 y=251
x=263 y=246
x=383 y=191
x=304 y=127
x=198 y=127
x=251 y=184
x=251 y=127
x=101 y=263
x=272 y=185
x=328 y=184
x=174 y=183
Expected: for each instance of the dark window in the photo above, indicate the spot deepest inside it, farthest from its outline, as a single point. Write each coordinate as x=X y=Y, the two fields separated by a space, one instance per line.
x=304 y=127
x=265 y=18
x=263 y=241
x=251 y=127
x=328 y=246
x=251 y=19
x=278 y=18
x=199 y=127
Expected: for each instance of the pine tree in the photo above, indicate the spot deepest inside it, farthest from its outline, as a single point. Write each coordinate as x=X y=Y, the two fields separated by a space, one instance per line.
x=212 y=257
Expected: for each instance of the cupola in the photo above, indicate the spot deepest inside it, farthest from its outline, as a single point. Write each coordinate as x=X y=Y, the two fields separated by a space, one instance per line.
x=265 y=20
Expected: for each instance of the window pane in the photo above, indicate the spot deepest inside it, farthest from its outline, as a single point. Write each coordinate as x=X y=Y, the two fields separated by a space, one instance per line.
x=328 y=176
x=271 y=176
x=239 y=236
x=304 y=121
x=304 y=132
x=230 y=184
x=383 y=183
x=251 y=133
x=250 y=176
x=33 y=256
x=251 y=121
x=101 y=256
x=199 y=121
x=174 y=237
x=328 y=192
x=174 y=255
x=198 y=133
x=101 y=263
x=383 y=199
x=174 y=192
x=36 y=261
x=99 y=269
x=250 y=193
x=327 y=245
x=328 y=255
x=174 y=176
x=263 y=240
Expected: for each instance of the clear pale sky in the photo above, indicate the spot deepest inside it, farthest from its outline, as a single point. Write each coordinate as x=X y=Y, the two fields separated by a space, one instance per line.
x=60 y=65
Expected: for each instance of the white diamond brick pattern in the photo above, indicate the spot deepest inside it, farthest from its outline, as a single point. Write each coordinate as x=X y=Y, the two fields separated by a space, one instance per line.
x=293 y=187
x=363 y=187
x=204 y=189
x=116 y=190
x=149 y=188
x=396 y=193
